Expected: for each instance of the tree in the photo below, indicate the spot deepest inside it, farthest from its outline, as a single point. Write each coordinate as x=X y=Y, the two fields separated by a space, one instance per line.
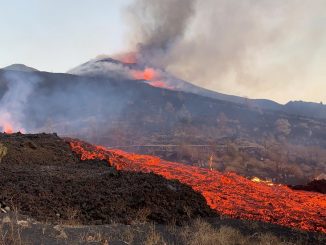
x=283 y=126
x=222 y=124
x=184 y=114
x=169 y=107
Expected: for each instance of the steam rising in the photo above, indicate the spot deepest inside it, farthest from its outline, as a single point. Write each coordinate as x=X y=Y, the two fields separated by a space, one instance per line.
x=12 y=104
x=256 y=48
x=66 y=104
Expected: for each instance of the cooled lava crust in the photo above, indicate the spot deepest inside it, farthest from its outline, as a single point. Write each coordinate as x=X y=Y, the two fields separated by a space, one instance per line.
x=228 y=194
x=315 y=185
x=44 y=179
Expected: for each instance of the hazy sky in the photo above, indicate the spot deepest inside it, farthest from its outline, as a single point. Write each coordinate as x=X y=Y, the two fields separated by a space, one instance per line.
x=56 y=35
x=273 y=49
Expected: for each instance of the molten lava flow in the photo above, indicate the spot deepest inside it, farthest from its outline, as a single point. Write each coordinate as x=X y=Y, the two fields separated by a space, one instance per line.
x=148 y=74
x=228 y=194
x=152 y=76
x=258 y=180
x=160 y=84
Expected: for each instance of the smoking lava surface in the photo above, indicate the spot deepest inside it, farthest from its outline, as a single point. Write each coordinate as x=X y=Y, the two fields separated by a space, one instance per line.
x=228 y=194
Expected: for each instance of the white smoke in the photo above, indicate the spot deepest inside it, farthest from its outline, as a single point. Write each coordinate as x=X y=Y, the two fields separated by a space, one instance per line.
x=13 y=102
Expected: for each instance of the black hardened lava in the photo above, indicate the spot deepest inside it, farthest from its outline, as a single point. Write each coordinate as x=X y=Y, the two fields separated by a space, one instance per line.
x=43 y=179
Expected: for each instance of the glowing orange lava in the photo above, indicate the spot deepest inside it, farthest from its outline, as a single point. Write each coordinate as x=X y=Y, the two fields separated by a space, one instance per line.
x=148 y=74
x=151 y=76
x=160 y=84
x=258 y=180
x=8 y=129
x=228 y=194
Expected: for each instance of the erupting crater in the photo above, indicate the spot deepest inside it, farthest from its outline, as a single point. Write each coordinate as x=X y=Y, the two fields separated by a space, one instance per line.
x=228 y=194
x=152 y=76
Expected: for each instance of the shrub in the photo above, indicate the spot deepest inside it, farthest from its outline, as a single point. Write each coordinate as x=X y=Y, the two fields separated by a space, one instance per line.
x=3 y=151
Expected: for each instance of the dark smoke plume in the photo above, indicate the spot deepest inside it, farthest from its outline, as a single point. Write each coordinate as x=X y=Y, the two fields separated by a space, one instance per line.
x=158 y=25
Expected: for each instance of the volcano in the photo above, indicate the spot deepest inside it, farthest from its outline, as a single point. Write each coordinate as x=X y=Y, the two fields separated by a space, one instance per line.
x=228 y=194
x=126 y=66
x=115 y=111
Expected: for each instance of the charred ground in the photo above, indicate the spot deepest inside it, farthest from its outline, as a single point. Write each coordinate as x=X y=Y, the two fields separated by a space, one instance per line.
x=315 y=185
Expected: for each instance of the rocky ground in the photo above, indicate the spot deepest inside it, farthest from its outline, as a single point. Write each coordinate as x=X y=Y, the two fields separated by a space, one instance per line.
x=43 y=179
x=315 y=186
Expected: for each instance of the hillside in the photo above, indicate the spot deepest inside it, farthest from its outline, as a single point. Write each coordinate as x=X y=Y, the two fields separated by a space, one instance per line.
x=191 y=128
x=109 y=68
x=20 y=67
x=316 y=110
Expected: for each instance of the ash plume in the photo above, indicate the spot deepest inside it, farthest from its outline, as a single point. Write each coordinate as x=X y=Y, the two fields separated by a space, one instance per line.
x=248 y=47
x=156 y=26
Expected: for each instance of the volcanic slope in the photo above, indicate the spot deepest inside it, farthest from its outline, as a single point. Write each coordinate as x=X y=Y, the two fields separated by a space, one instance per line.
x=42 y=178
x=72 y=105
x=116 y=112
x=125 y=67
x=228 y=194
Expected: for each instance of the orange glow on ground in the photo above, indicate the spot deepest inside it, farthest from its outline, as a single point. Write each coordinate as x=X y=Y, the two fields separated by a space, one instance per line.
x=8 y=129
x=228 y=194
x=258 y=180
x=160 y=84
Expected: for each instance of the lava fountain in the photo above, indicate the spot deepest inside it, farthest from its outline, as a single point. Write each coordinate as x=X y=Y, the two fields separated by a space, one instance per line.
x=228 y=194
x=152 y=76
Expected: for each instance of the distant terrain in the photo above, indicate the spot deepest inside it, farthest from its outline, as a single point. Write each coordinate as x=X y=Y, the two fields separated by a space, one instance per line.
x=175 y=125
x=109 y=68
